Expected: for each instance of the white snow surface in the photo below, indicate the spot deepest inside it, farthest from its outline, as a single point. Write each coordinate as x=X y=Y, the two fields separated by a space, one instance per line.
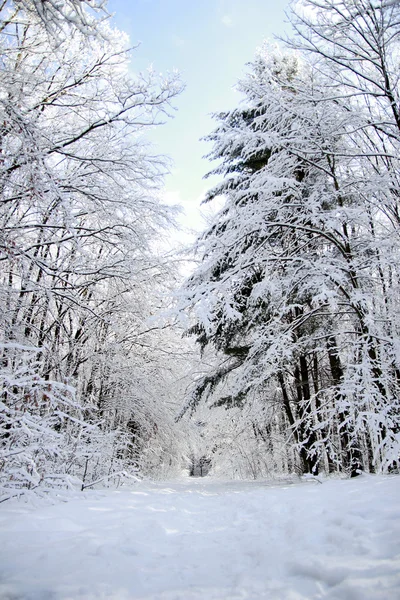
x=203 y=539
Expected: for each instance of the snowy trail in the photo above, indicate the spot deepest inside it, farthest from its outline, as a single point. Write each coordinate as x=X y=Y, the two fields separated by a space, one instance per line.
x=208 y=540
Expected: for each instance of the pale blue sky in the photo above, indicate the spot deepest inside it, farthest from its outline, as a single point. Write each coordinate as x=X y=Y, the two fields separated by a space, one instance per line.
x=209 y=42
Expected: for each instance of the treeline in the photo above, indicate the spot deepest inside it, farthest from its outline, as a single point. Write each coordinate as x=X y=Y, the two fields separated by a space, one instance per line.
x=86 y=378
x=296 y=295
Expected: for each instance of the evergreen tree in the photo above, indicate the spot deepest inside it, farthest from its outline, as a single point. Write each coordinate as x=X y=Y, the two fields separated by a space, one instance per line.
x=283 y=290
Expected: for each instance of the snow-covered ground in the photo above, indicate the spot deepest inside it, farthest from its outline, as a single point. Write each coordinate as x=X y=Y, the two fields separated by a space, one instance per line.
x=207 y=540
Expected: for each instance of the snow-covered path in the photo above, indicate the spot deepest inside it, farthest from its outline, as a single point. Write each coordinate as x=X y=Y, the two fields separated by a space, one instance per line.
x=207 y=540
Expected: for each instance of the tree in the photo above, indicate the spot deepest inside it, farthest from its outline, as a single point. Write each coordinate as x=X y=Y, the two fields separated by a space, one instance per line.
x=283 y=289
x=354 y=46
x=79 y=213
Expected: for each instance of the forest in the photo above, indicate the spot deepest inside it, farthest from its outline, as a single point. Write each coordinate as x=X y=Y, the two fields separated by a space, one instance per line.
x=279 y=353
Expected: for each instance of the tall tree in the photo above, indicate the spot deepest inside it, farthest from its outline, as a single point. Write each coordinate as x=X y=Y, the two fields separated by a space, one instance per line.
x=283 y=289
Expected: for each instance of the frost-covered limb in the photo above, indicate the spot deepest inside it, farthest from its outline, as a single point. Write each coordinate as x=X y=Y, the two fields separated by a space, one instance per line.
x=59 y=16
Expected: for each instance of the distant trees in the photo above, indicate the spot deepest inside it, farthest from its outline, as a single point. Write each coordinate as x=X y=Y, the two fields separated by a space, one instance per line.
x=297 y=286
x=79 y=213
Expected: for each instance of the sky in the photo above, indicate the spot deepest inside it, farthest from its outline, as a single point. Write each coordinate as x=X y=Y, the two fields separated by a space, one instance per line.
x=209 y=42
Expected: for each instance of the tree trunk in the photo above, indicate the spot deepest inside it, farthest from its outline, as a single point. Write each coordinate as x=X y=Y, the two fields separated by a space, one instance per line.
x=351 y=455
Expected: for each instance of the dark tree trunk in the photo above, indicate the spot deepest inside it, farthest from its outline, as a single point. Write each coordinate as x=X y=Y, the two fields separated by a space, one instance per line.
x=307 y=433
x=351 y=455
x=305 y=462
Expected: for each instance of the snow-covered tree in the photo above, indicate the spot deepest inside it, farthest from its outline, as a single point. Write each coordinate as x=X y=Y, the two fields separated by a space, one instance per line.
x=289 y=289
x=79 y=214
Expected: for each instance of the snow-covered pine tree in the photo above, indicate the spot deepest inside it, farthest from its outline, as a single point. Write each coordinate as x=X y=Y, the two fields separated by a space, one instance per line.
x=282 y=289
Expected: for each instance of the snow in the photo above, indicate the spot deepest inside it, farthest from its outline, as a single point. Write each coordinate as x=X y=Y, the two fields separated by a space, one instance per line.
x=203 y=539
